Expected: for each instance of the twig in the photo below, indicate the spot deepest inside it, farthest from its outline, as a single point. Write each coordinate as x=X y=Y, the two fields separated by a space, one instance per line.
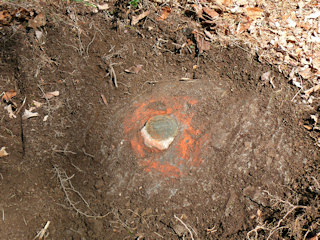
x=113 y=75
x=185 y=225
x=94 y=36
x=2 y=214
x=64 y=151
x=68 y=189
x=42 y=233
x=19 y=109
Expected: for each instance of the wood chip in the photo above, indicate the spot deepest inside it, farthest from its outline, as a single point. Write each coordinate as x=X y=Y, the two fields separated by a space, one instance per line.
x=50 y=95
x=3 y=152
x=136 y=19
x=104 y=99
x=312 y=90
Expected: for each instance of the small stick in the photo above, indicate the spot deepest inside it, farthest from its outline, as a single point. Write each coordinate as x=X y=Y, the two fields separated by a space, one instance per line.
x=19 y=109
x=42 y=232
x=2 y=214
x=113 y=75
x=185 y=225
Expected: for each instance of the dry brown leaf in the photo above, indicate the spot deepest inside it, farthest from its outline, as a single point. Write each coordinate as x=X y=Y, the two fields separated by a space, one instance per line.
x=312 y=90
x=29 y=114
x=202 y=44
x=198 y=10
x=8 y=95
x=103 y=6
x=306 y=73
x=224 y=2
x=134 y=69
x=3 y=152
x=165 y=13
x=38 y=21
x=210 y=12
x=37 y=104
x=50 y=95
x=254 y=13
x=316 y=63
x=5 y=17
x=136 y=19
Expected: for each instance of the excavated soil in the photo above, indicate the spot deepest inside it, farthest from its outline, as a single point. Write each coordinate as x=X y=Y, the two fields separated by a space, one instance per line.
x=86 y=169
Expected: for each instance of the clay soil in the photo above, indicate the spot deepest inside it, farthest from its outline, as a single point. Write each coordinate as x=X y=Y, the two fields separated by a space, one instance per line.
x=250 y=171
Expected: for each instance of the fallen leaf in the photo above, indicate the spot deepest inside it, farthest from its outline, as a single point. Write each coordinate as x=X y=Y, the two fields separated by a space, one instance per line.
x=210 y=12
x=313 y=15
x=103 y=6
x=104 y=99
x=316 y=63
x=254 y=12
x=306 y=73
x=5 y=17
x=165 y=13
x=50 y=95
x=136 y=19
x=38 y=34
x=37 y=104
x=3 y=152
x=198 y=10
x=224 y=2
x=309 y=128
x=312 y=90
x=134 y=69
x=202 y=44
x=38 y=21
x=9 y=109
x=209 y=35
x=28 y=114
x=266 y=76
x=45 y=118
x=8 y=95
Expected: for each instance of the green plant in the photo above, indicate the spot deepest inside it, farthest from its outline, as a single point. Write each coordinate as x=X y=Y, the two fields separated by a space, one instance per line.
x=134 y=3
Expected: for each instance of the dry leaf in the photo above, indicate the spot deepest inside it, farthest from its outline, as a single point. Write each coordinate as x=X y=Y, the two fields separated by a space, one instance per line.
x=45 y=118
x=28 y=114
x=312 y=90
x=165 y=13
x=210 y=12
x=39 y=35
x=254 y=12
x=202 y=44
x=103 y=6
x=198 y=10
x=136 y=19
x=3 y=152
x=306 y=73
x=37 y=104
x=134 y=69
x=224 y=2
x=104 y=99
x=5 y=17
x=50 y=95
x=8 y=95
x=316 y=63
x=38 y=21
x=266 y=76
x=9 y=109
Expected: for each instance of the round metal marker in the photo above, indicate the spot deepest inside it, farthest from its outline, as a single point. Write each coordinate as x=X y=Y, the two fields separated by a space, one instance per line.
x=160 y=131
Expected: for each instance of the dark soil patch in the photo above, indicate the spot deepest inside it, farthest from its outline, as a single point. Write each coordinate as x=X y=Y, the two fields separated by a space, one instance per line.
x=253 y=142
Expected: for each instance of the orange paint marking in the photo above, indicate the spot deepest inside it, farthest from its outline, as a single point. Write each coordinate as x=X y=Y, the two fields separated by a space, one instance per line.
x=183 y=152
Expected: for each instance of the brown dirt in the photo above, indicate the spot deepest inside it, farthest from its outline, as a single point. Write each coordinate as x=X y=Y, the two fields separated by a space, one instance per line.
x=254 y=144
